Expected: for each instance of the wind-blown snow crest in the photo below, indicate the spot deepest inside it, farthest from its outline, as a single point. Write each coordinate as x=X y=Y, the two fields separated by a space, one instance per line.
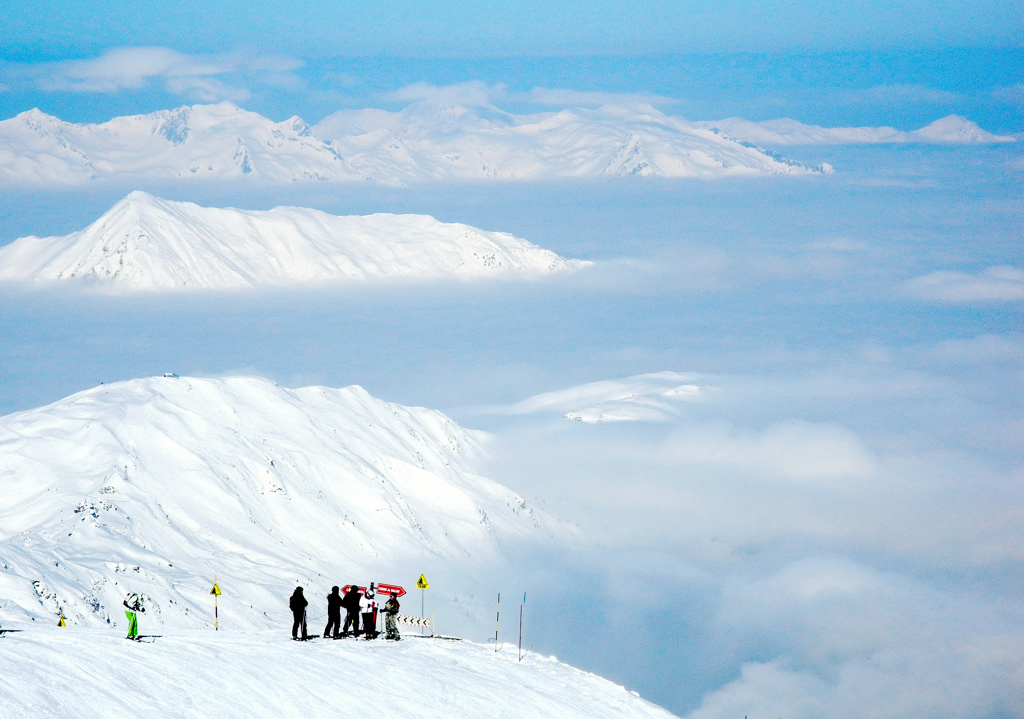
x=952 y=129
x=426 y=141
x=154 y=485
x=146 y=243
x=646 y=397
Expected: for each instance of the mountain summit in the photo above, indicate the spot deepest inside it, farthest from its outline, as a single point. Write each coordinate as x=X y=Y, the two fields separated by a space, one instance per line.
x=153 y=485
x=146 y=243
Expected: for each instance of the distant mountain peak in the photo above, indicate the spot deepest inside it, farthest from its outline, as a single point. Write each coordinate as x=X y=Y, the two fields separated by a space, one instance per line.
x=439 y=140
x=959 y=130
x=145 y=243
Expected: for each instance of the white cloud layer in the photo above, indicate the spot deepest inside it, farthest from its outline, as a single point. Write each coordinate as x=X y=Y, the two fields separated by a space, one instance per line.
x=814 y=522
x=994 y=284
x=476 y=93
x=575 y=98
x=897 y=92
x=464 y=93
x=206 y=78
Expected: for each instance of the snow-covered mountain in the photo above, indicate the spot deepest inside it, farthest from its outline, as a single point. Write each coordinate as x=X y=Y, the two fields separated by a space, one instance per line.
x=75 y=674
x=949 y=130
x=146 y=243
x=425 y=141
x=154 y=485
x=203 y=141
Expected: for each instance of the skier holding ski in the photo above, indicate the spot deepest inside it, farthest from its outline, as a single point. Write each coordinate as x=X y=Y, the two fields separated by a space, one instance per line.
x=333 y=614
x=391 y=608
x=133 y=605
x=351 y=604
x=369 y=610
x=298 y=606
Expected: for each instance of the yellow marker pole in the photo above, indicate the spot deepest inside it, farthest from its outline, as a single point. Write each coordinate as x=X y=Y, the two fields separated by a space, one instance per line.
x=422 y=584
x=216 y=613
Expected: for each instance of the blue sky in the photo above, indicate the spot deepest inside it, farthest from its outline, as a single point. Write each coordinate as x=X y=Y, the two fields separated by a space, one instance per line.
x=58 y=30
x=852 y=63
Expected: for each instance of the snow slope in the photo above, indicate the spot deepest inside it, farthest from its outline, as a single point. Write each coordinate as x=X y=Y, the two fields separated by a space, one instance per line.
x=72 y=673
x=153 y=485
x=949 y=130
x=425 y=141
x=145 y=243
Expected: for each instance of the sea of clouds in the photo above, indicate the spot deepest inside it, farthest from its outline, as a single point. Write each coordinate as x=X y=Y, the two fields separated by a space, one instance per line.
x=827 y=522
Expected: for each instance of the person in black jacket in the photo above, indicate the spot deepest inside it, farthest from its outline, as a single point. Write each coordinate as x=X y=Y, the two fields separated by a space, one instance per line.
x=351 y=604
x=298 y=606
x=333 y=614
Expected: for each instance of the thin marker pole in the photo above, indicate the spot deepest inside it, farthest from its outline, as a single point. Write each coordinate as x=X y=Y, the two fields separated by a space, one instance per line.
x=497 y=619
x=521 y=627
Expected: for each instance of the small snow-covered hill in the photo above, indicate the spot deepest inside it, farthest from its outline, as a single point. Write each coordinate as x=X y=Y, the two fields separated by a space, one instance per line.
x=425 y=141
x=646 y=397
x=952 y=129
x=75 y=674
x=154 y=485
x=146 y=243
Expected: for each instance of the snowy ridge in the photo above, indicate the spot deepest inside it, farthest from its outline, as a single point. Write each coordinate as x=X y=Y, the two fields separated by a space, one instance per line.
x=153 y=485
x=424 y=142
x=146 y=243
x=232 y=675
x=952 y=129
x=205 y=141
x=428 y=141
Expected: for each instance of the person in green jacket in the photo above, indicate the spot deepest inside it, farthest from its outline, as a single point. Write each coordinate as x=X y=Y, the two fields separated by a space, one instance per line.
x=133 y=605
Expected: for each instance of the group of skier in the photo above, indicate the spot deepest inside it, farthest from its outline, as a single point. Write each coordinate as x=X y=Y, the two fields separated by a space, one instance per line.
x=359 y=603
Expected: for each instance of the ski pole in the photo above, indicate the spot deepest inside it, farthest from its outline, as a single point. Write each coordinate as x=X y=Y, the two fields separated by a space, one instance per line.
x=497 y=618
